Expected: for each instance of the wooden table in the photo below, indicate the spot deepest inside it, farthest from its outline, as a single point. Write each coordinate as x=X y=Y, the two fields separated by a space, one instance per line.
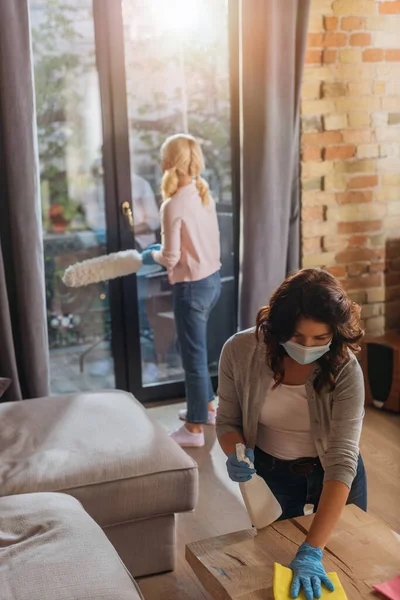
x=363 y=551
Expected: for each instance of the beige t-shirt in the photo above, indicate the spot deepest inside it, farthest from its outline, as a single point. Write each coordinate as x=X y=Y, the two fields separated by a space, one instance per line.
x=284 y=428
x=190 y=248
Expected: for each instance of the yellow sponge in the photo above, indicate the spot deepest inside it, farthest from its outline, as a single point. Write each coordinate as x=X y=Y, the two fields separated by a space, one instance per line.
x=283 y=580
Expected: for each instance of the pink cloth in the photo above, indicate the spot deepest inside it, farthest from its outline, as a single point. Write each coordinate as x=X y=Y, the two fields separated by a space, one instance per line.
x=190 y=237
x=390 y=589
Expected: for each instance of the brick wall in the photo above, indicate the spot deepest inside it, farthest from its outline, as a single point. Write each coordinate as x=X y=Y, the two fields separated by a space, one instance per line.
x=351 y=152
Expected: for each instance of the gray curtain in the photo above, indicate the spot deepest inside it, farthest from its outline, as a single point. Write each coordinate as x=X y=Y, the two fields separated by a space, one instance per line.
x=274 y=34
x=23 y=334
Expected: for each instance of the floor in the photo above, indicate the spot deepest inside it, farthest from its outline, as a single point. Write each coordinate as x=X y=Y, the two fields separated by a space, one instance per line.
x=220 y=509
x=86 y=369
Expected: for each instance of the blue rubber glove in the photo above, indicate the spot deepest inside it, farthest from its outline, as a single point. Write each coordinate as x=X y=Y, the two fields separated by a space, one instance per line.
x=309 y=573
x=240 y=471
x=147 y=258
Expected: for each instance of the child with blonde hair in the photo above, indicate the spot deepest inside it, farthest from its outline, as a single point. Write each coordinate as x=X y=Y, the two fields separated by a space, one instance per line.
x=190 y=251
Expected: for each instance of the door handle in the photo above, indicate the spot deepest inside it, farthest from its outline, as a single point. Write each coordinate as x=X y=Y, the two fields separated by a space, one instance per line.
x=128 y=214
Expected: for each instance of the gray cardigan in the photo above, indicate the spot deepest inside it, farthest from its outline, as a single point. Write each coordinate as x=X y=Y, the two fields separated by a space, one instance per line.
x=336 y=417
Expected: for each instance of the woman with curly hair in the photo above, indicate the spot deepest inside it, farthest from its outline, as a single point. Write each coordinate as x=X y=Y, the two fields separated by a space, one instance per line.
x=292 y=391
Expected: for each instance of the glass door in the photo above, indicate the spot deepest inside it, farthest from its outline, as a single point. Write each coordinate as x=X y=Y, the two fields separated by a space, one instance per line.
x=113 y=80
x=177 y=79
x=70 y=144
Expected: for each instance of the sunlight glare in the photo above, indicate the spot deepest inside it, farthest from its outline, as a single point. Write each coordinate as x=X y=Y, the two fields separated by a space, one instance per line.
x=178 y=15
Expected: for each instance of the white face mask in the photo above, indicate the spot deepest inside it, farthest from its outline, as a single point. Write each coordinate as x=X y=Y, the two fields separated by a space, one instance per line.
x=305 y=355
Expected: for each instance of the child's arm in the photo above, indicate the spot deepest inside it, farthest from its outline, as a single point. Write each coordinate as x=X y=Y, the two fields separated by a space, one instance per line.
x=170 y=253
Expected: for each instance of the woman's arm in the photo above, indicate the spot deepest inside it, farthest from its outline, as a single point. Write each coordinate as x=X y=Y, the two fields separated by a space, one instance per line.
x=341 y=459
x=229 y=413
x=333 y=499
x=228 y=442
x=347 y=414
x=170 y=253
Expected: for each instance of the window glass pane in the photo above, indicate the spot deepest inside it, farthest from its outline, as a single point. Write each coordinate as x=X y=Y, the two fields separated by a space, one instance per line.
x=177 y=71
x=73 y=203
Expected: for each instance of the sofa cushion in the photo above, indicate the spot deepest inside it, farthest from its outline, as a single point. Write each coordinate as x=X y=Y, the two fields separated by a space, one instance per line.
x=102 y=448
x=50 y=549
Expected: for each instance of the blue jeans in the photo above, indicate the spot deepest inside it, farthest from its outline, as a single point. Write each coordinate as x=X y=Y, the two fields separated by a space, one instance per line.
x=293 y=492
x=193 y=303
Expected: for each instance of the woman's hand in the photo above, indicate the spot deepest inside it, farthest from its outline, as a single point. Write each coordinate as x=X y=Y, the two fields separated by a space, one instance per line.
x=309 y=573
x=240 y=471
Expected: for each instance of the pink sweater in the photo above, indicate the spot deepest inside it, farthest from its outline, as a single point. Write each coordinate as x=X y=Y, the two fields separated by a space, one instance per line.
x=190 y=237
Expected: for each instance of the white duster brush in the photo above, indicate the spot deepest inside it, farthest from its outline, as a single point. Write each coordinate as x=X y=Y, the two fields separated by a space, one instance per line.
x=103 y=268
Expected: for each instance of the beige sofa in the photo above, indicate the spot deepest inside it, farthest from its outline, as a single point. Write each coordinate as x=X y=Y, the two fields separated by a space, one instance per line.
x=50 y=549
x=105 y=450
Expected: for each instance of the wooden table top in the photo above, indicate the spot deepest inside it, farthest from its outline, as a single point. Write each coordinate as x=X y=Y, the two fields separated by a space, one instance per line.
x=363 y=551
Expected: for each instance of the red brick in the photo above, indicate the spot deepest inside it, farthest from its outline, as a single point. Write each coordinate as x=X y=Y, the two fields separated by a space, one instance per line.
x=312 y=213
x=373 y=55
x=393 y=55
x=313 y=57
x=364 y=181
x=334 y=40
x=354 y=197
x=389 y=8
x=312 y=245
x=357 y=136
x=368 y=281
x=360 y=39
x=381 y=253
x=311 y=153
x=377 y=267
x=357 y=269
x=359 y=227
x=315 y=40
x=331 y=23
x=332 y=243
x=322 y=139
x=329 y=56
x=352 y=255
x=358 y=241
x=339 y=152
x=352 y=23
x=338 y=271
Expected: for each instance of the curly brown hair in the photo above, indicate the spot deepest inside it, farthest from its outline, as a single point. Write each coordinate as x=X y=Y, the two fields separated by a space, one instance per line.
x=311 y=294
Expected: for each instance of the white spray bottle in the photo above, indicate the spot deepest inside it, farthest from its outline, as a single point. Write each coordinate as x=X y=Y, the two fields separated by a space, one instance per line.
x=261 y=504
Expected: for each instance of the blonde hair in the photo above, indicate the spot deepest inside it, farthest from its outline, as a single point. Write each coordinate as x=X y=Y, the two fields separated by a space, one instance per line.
x=183 y=155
